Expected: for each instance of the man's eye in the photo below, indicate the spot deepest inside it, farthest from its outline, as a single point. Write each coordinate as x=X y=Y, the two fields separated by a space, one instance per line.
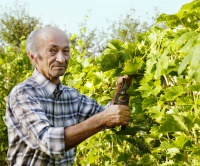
x=66 y=51
x=52 y=50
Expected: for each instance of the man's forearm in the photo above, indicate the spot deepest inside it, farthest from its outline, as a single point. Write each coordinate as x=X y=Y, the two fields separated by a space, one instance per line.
x=74 y=135
x=112 y=116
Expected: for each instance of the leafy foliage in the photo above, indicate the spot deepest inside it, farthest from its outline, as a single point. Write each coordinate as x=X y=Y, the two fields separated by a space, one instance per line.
x=127 y=28
x=164 y=129
x=16 y=24
x=15 y=67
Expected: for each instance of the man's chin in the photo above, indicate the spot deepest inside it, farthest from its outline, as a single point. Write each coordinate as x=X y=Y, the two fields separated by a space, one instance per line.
x=58 y=74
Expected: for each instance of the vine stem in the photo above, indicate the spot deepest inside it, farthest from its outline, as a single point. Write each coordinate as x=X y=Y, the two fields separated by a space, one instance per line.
x=194 y=139
x=166 y=81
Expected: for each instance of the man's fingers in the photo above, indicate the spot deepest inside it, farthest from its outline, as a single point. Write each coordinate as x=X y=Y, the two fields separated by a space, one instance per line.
x=129 y=79
x=124 y=108
x=116 y=115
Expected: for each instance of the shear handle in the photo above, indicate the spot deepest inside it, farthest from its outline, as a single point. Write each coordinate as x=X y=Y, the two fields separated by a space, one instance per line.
x=122 y=98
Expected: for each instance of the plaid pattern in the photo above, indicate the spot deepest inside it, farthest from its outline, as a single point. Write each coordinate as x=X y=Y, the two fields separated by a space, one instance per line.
x=36 y=114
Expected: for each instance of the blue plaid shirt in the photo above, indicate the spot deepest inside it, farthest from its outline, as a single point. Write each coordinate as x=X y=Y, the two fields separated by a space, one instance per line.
x=36 y=115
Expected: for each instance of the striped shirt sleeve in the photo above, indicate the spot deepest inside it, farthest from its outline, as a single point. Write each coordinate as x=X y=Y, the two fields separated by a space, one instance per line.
x=32 y=126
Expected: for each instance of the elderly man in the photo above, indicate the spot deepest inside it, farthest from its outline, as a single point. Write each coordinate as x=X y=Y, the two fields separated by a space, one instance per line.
x=47 y=120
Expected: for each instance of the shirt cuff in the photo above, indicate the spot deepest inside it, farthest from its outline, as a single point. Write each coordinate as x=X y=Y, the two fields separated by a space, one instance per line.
x=56 y=142
x=107 y=105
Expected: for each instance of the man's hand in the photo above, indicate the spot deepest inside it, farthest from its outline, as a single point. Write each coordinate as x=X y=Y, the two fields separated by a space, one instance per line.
x=116 y=115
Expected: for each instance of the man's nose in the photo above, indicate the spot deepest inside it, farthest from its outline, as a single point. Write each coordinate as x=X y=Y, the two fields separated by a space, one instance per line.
x=60 y=57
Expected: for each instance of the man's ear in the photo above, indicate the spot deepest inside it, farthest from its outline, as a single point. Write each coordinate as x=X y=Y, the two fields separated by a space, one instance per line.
x=32 y=58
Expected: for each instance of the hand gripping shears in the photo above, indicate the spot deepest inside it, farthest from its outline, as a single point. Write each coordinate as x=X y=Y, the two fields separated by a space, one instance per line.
x=122 y=98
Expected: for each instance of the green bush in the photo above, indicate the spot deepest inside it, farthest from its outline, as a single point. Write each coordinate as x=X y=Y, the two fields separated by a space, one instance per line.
x=165 y=100
x=15 y=67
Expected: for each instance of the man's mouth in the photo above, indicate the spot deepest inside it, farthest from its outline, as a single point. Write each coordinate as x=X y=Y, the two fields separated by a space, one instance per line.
x=59 y=67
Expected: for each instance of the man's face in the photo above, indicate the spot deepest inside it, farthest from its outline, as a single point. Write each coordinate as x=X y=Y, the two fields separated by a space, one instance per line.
x=54 y=55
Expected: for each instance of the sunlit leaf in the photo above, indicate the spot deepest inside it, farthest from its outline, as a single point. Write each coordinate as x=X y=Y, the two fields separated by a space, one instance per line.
x=173 y=92
x=176 y=122
x=181 y=141
x=149 y=102
x=132 y=67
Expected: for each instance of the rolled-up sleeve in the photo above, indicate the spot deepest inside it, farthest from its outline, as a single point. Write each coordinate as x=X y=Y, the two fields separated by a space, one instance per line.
x=29 y=121
x=87 y=107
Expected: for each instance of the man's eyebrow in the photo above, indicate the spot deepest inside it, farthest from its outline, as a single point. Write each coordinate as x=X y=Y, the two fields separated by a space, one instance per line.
x=67 y=47
x=54 y=45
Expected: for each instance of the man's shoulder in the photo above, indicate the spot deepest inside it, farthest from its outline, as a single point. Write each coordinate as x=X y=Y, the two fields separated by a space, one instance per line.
x=23 y=86
x=65 y=87
x=69 y=89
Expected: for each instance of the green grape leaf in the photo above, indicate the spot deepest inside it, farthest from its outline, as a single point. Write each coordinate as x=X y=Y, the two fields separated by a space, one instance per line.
x=184 y=38
x=195 y=60
x=172 y=93
x=109 y=60
x=190 y=120
x=149 y=102
x=132 y=67
x=190 y=43
x=166 y=145
x=195 y=87
x=156 y=113
x=184 y=101
x=157 y=87
x=147 y=159
x=173 y=123
x=146 y=89
x=115 y=44
x=180 y=141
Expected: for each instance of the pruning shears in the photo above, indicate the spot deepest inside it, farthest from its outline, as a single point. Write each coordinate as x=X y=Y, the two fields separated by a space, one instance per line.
x=122 y=97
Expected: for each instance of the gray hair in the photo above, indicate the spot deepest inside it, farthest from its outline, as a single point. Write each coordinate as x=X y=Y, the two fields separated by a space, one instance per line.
x=32 y=43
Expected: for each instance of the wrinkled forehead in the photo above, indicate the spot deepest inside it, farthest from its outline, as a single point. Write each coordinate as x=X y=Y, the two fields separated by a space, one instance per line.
x=53 y=35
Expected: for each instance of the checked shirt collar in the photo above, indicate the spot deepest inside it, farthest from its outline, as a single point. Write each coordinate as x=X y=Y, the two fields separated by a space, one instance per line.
x=47 y=85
